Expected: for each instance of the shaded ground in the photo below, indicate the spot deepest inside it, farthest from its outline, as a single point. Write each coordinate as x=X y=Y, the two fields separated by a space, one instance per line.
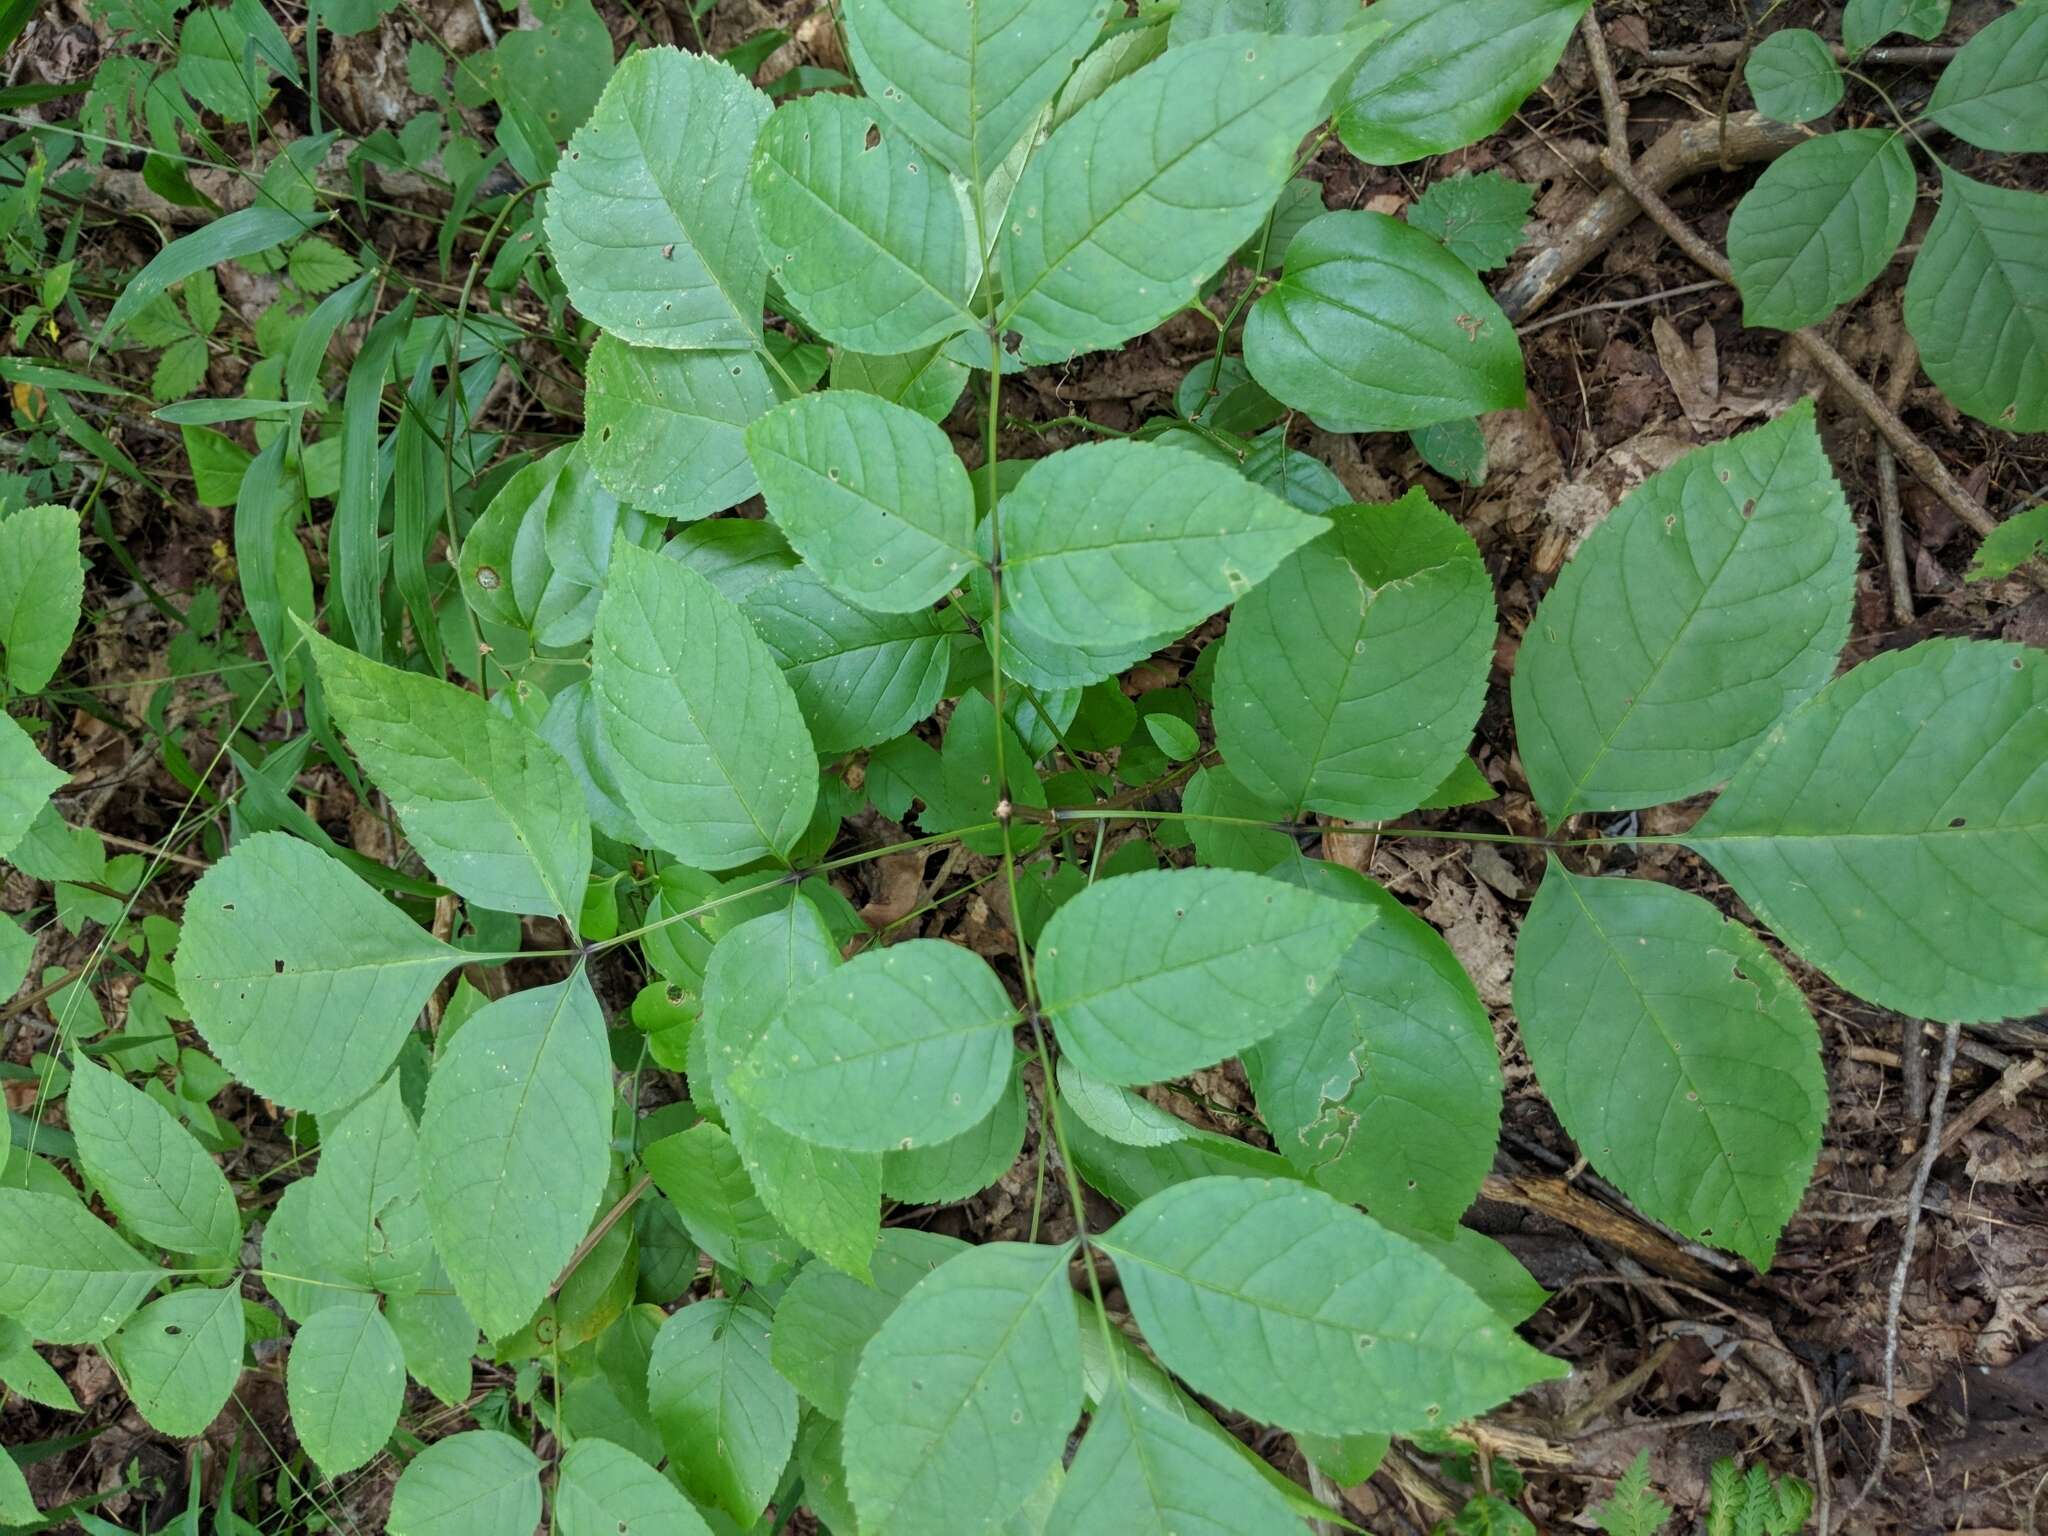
x=1676 y=1350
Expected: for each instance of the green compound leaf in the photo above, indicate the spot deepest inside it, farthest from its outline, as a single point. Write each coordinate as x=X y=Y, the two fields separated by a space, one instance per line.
x=42 y=584
x=829 y=1199
x=515 y=1145
x=966 y=1395
x=28 y=1374
x=17 y=1502
x=480 y=1483
x=665 y=430
x=27 y=781
x=702 y=1175
x=703 y=736
x=1677 y=1052
x=1440 y=74
x=180 y=1358
x=2005 y=549
x=69 y=1279
x=927 y=381
x=1197 y=19
x=365 y=1212
x=1374 y=327
x=726 y=1417
x=871 y=494
x=966 y=81
x=1977 y=302
x=345 y=1384
x=1820 y=225
x=1994 y=93
x=1118 y=1113
x=647 y=216
x=1146 y=191
x=1116 y=543
x=826 y=1318
x=1894 y=831
x=538 y=556
x=494 y=810
x=1793 y=76
x=151 y=1171
x=303 y=980
x=1145 y=1470
x=1288 y=1305
x=900 y=1047
x=1479 y=219
x=1712 y=600
x=602 y=1489
x=1301 y=1311
x=860 y=678
x=1386 y=1090
x=1148 y=976
x=966 y=1165
x=865 y=234
x=1868 y=21
x=1355 y=673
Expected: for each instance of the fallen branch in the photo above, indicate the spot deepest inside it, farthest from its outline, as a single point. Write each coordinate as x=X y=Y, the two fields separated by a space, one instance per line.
x=1681 y=153
x=1913 y=453
x=1730 y=51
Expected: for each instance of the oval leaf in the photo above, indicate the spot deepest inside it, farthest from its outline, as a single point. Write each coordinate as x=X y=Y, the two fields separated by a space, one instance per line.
x=1152 y=975
x=1440 y=74
x=1296 y=1309
x=1712 y=600
x=1977 y=302
x=1677 y=1052
x=967 y=1393
x=1147 y=190
x=68 y=1279
x=647 y=215
x=703 y=736
x=899 y=1047
x=1892 y=831
x=864 y=232
x=665 y=430
x=1994 y=93
x=180 y=1358
x=871 y=494
x=603 y=1489
x=725 y=1415
x=1386 y=1090
x=302 y=979
x=1820 y=225
x=492 y=808
x=966 y=81
x=152 y=1172
x=1374 y=327
x=1793 y=76
x=1355 y=673
x=345 y=1383
x=1113 y=543
x=515 y=1143
x=480 y=1483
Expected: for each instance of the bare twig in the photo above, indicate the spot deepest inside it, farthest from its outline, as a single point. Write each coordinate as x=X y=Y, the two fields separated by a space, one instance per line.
x=184 y=859
x=1605 y=304
x=1895 y=1295
x=1892 y=530
x=2017 y=1078
x=1612 y=107
x=49 y=989
x=1891 y=525
x=596 y=1234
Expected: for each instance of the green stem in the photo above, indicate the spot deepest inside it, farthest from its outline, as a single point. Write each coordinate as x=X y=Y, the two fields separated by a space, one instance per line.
x=1048 y=1098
